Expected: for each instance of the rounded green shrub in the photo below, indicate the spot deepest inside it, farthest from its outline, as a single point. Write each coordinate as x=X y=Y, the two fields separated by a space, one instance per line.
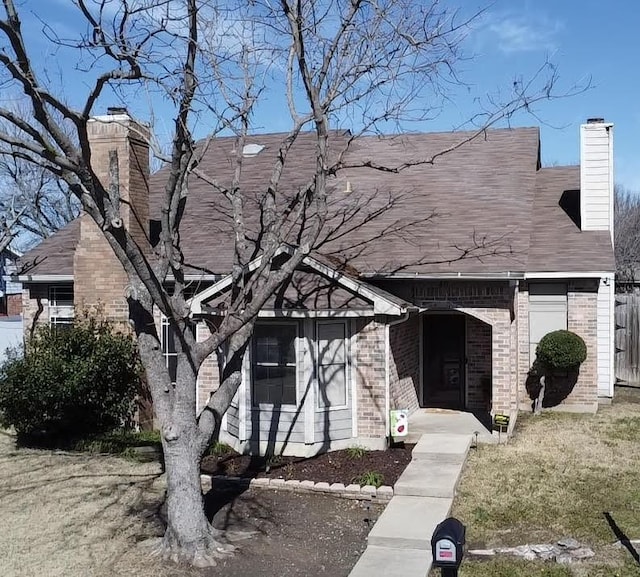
x=561 y=350
x=70 y=383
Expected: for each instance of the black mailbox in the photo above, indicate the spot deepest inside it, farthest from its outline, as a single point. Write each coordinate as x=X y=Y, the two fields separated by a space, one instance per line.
x=447 y=544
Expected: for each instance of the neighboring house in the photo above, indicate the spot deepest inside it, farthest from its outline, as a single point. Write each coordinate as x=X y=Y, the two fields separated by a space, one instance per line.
x=10 y=289
x=445 y=312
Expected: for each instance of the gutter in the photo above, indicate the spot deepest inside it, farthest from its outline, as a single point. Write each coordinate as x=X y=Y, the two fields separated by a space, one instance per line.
x=387 y=379
x=446 y=276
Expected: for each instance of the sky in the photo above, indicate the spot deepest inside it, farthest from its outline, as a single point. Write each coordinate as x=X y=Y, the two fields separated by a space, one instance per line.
x=589 y=41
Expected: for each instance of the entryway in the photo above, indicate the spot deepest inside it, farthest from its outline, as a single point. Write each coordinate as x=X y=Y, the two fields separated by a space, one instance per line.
x=443 y=384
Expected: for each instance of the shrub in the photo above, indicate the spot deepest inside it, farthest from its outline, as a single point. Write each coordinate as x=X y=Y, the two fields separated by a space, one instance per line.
x=70 y=383
x=561 y=350
x=370 y=478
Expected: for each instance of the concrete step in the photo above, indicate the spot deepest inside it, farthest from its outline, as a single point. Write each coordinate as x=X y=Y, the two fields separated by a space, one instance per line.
x=381 y=561
x=408 y=523
x=429 y=478
x=442 y=447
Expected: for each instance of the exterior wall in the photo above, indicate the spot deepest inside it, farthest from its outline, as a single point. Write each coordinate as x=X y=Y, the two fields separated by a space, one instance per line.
x=524 y=363
x=478 y=365
x=370 y=378
x=582 y=319
x=582 y=300
x=14 y=305
x=404 y=364
x=209 y=375
x=35 y=306
x=100 y=280
x=596 y=176
x=606 y=329
x=489 y=302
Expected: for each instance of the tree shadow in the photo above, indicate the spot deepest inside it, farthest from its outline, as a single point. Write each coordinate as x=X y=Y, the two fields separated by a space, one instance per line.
x=622 y=537
x=558 y=385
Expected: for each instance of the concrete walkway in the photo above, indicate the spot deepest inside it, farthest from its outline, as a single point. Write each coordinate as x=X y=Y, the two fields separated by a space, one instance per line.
x=400 y=541
x=425 y=421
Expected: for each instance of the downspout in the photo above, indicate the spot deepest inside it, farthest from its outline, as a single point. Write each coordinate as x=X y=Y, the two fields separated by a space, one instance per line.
x=387 y=379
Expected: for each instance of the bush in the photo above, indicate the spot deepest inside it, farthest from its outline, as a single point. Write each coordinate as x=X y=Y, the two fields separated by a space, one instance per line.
x=70 y=383
x=561 y=350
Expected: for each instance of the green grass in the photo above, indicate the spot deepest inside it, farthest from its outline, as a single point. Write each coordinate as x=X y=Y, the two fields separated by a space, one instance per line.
x=556 y=478
x=356 y=452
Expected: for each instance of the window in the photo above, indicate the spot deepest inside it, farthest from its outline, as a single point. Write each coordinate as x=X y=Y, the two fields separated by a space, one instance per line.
x=332 y=364
x=61 y=311
x=274 y=364
x=169 y=350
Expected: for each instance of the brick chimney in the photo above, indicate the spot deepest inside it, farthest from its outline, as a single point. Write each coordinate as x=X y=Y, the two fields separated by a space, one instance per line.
x=596 y=175
x=99 y=278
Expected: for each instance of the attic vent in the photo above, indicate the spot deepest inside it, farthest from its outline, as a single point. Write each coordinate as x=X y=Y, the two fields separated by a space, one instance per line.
x=249 y=150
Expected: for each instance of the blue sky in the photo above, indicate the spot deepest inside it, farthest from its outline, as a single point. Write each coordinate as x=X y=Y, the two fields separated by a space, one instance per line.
x=584 y=38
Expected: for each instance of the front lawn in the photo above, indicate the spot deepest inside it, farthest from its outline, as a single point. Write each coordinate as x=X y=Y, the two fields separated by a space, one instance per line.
x=557 y=478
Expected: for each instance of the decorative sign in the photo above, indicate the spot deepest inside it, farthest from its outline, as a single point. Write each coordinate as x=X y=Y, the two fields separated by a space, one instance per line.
x=399 y=422
x=445 y=551
x=501 y=421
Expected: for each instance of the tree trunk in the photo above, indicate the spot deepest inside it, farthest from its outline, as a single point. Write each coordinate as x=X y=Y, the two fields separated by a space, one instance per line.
x=189 y=537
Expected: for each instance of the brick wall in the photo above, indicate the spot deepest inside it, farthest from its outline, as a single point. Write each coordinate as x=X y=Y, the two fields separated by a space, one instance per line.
x=209 y=375
x=404 y=364
x=35 y=306
x=581 y=319
x=14 y=305
x=490 y=303
x=582 y=302
x=478 y=364
x=100 y=279
x=371 y=384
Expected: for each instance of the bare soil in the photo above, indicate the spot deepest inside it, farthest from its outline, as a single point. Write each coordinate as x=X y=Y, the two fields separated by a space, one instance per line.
x=346 y=466
x=74 y=514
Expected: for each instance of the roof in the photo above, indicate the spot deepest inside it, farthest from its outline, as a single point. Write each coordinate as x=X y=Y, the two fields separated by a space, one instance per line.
x=557 y=243
x=486 y=207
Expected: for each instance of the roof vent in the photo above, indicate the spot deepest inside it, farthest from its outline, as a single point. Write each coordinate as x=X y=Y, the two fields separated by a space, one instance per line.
x=249 y=150
x=116 y=110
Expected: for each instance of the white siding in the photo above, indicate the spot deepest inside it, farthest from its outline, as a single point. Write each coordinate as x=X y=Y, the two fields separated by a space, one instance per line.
x=605 y=337
x=596 y=176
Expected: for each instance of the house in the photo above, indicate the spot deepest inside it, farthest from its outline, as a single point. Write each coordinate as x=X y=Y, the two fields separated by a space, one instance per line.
x=440 y=301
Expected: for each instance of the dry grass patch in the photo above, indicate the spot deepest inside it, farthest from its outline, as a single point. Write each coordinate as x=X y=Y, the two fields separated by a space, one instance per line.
x=556 y=478
x=67 y=514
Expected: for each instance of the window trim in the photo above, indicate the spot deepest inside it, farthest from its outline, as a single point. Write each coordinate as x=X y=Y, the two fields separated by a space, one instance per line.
x=347 y=364
x=284 y=407
x=164 y=321
x=60 y=314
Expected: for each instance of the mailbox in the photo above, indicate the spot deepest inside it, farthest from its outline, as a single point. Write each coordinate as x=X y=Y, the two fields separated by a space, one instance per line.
x=447 y=544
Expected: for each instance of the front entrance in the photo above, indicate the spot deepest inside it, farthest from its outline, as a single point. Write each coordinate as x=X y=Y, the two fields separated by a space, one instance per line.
x=444 y=361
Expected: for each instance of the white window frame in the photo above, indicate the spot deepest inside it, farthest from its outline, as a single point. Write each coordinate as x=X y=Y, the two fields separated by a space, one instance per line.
x=296 y=345
x=61 y=314
x=347 y=365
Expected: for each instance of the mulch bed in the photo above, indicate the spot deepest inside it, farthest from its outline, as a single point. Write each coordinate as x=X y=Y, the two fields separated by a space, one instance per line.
x=345 y=466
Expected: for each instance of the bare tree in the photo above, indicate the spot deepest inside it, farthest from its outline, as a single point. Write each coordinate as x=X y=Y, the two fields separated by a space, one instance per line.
x=627 y=233
x=374 y=64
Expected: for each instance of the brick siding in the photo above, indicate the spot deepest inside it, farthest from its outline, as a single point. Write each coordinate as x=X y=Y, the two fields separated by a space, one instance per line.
x=478 y=364
x=371 y=382
x=404 y=364
x=100 y=279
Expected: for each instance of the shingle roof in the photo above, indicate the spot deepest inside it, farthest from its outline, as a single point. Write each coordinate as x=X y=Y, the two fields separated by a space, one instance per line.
x=488 y=197
x=557 y=243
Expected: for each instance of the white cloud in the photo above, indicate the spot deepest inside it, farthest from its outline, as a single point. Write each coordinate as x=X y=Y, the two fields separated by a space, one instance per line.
x=524 y=33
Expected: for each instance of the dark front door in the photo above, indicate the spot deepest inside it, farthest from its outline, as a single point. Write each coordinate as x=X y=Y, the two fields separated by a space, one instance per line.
x=444 y=362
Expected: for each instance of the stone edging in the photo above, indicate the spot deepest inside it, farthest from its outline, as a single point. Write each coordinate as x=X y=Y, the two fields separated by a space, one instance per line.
x=353 y=491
